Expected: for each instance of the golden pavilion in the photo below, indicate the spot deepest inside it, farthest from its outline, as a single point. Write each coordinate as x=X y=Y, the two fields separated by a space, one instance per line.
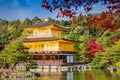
x=48 y=45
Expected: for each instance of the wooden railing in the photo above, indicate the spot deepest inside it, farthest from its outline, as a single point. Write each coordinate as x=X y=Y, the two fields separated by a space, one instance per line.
x=49 y=62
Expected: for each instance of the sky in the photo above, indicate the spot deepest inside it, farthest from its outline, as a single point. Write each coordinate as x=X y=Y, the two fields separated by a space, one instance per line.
x=21 y=9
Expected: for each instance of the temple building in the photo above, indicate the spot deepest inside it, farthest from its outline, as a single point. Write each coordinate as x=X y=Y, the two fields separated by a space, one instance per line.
x=47 y=44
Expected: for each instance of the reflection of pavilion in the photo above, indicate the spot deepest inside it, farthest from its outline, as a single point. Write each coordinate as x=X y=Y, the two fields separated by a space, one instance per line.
x=70 y=75
x=57 y=75
x=48 y=45
x=51 y=76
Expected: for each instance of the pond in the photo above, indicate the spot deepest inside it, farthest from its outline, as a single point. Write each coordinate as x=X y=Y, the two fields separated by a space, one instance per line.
x=80 y=75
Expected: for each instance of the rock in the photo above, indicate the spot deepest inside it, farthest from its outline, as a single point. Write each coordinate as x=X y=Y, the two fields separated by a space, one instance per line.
x=37 y=74
x=34 y=74
x=114 y=69
x=5 y=73
x=29 y=74
x=13 y=74
x=22 y=75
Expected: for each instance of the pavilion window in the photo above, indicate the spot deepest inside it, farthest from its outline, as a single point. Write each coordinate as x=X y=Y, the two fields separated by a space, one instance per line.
x=41 y=34
x=47 y=33
x=38 y=34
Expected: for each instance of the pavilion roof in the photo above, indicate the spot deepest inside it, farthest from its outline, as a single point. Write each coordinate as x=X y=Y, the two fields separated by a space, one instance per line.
x=44 y=24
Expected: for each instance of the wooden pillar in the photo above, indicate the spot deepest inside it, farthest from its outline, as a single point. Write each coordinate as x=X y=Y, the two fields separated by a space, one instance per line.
x=59 y=58
x=44 y=58
x=53 y=58
x=49 y=59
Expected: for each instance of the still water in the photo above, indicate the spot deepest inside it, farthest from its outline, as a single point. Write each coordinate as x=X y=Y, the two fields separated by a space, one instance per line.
x=80 y=75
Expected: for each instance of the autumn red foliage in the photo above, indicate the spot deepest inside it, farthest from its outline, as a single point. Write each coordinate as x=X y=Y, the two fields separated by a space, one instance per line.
x=94 y=47
x=78 y=19
x=115 y=39
x=74 y=20
x=69 y=7
x=106 y=20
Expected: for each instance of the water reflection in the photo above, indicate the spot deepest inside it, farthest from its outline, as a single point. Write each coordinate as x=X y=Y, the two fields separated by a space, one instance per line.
x=69 y=75
x=80 y=75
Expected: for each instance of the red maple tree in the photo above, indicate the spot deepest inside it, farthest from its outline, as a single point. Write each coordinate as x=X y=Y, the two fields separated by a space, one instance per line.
x=94 y=47
x=115 y=39
x=106 y=20
x=69 y=7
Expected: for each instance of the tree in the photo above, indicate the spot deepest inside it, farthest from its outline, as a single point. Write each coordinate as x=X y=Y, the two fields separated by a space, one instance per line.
x=16 y=52
x=100 y=60
x=35 y=19
x=106 y=20
x=3 y=36
x=115 y=52
x=80 y=32
x=9 y=31
x=15 y=27
x=95 y=44
x=107 y=58
x=94 y=47
x=69 y=7
x=26 y=22
x=3 y=33
x=110 y=56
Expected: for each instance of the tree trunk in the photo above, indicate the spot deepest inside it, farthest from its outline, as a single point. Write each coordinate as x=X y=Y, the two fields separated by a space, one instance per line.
x=14 y=65
x=4 y=63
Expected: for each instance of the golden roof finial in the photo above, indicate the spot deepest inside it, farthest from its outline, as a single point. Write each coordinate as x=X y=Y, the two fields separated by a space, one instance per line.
x=46 y=19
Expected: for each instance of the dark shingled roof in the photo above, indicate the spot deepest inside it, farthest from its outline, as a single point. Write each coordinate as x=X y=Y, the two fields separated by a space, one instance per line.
x=45 y=39
x=43 y=24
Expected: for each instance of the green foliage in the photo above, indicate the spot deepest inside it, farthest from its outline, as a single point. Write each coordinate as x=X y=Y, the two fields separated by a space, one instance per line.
x=100 y=60
x=111 y=56
x=81 y=32
x=35 y=19
x=24 y=34
x=15 y=28
x=9 y=30
x=115 y=49
x=65 y=23
x=12 y=30
x=118 y=64
x=16 y=52
x=26 y=22
x=3 y=35
x=32 y=65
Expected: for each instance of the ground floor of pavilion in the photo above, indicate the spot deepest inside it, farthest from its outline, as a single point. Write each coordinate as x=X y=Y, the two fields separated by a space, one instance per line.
x=53 y=59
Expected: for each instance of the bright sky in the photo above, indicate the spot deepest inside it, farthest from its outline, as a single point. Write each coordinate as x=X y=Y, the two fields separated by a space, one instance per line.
x=21 y=9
